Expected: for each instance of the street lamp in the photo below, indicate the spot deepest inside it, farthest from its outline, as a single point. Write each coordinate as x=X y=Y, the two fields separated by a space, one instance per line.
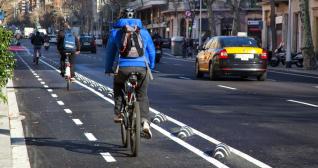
x=288 y=52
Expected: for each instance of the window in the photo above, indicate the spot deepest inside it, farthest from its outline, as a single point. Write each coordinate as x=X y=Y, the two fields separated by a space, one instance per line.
x=238 y=42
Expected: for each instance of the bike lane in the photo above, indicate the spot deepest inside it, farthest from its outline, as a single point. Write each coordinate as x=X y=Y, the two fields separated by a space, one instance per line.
x=75 y=128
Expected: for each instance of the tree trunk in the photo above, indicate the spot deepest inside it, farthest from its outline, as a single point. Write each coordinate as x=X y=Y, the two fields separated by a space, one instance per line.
x=273 y=25
x=236 y=17
x=307 y=43
x=212 y=27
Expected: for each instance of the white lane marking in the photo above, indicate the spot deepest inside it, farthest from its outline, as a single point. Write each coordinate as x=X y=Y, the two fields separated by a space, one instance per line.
x=273 y=80
x=304 y=103
x=43 y=83
x=37 y=76
x=60 y=103
x=77 y=121
x=90 y=136
x=227 y=87
x=316 y=87
x=286 y=73
x=49 y=90
x=68 y=111
x=54 y=95
x=108 y=157
x=189 y=147
x=177 y=59
x=39 y=79
x=181 y=77
x=46 y=86
x=208 y=138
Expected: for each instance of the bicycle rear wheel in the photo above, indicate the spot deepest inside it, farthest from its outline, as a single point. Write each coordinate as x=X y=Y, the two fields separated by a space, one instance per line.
x=135 y=130
x=68 y=83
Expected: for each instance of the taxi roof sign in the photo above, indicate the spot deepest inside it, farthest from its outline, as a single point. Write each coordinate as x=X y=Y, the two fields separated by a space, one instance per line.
x=242 y=34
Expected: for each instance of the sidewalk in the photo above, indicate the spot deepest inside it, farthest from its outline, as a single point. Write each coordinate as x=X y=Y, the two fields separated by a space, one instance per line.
x=281 y=68
x=5 y=140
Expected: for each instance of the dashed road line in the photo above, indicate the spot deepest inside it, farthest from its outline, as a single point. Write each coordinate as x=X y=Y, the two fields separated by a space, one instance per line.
x=227 y=87
x=54 y=95
x=43 y=83
x=304 y=103
x=90 y=136
x=68 y=111
x=108 y=157
x=77 y=121
x=60 y=103
x=39 y=79
x=49 y=90
x=181 y=77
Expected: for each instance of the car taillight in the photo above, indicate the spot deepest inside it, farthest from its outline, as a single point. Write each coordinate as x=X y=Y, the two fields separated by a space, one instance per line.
x=264 y=55
x=223 y=54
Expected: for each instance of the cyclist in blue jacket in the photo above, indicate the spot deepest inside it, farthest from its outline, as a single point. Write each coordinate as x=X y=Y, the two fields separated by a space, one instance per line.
x=128 y=65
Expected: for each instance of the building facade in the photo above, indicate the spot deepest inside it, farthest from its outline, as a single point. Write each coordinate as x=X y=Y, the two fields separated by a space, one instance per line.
x=281 y=20
x=181 y=18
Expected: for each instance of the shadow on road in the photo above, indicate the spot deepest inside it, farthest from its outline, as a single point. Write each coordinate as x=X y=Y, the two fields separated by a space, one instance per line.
x=85 y=147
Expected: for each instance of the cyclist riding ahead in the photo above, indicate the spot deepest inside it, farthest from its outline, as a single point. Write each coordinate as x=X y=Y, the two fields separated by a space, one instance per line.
x=130 y=49
x=37 y=41
x=67 y=43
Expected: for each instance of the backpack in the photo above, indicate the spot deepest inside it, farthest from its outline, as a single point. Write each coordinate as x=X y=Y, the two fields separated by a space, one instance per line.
x=131 y=45
x=69 y=44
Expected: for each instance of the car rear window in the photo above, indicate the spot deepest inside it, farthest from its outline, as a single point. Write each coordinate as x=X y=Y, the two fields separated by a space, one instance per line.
x=86 y=38
x=238 y=42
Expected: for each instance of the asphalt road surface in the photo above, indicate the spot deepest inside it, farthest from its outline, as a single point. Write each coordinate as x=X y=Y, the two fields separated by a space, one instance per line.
x=263 y=124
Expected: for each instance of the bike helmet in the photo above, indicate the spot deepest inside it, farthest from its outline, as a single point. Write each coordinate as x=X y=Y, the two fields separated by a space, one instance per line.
x=128 y=13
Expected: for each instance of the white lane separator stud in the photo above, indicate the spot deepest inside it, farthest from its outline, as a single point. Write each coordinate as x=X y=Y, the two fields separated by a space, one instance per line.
x=46 y=86
x=49 y=90
x=60 y=103
x=42 y=83
x=90 y=136
x=77 y=121
x=68 y=111
x=108 y=157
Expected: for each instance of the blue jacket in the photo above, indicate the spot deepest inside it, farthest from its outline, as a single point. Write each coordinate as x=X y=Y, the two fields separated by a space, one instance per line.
x=112 y=49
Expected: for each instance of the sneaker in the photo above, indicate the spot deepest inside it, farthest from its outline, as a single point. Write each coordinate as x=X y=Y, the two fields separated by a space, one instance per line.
x=118 y=118
x=62 y=74
x=72 y=79
x=146 y=130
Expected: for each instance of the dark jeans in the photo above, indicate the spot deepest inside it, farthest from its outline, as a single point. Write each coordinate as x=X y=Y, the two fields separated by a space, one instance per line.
x=62 y=63
x=142 y=96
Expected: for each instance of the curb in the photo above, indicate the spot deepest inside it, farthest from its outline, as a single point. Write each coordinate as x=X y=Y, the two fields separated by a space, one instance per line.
x=5 y=138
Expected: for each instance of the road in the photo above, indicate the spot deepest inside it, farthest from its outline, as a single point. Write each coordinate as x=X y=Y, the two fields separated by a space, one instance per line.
x=265 y=124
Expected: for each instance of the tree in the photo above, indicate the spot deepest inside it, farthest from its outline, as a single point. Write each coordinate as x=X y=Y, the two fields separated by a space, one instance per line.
x=212 y=28
x=235 y=7
x=310 y=61
x=273 y=24
x=7 y=60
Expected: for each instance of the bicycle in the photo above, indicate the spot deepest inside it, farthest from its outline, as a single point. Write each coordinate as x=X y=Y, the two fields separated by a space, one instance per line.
x=67 y=71
x=130 y=111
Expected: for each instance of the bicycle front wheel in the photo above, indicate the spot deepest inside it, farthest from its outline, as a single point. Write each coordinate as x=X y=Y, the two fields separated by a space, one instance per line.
x=135 y=130
x=124 y=133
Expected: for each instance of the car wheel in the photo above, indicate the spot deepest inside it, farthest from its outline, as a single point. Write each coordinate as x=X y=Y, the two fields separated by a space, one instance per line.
x=198 y=73
x=262 y=77
x=212 y=74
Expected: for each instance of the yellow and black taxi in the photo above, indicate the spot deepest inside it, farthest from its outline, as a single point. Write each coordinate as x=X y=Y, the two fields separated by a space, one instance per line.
x=231 y=56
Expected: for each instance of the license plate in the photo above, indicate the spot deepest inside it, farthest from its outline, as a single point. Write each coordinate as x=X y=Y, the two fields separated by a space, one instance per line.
x=244 y=57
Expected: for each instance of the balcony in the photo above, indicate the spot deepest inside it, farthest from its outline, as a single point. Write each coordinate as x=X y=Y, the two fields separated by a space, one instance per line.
x=145 y=4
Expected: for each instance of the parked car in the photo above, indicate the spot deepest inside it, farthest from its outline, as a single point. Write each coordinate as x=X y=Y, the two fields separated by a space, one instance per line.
x=165 y=42
x=88 y=44
x=53 y=38
x=231 y=55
